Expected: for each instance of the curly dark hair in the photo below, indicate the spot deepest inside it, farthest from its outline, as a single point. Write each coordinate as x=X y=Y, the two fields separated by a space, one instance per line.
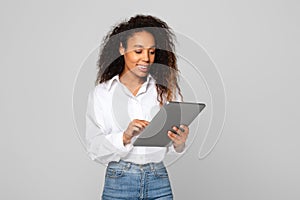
x=111 y=62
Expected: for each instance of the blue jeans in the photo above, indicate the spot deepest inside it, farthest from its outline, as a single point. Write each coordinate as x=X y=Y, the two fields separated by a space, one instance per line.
x=125 y=180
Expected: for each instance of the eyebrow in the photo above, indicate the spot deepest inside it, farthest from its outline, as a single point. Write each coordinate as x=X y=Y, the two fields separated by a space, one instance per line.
x=141 y=46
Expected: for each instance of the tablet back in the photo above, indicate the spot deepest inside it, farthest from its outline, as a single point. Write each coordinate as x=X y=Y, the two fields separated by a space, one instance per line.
x=171 y=114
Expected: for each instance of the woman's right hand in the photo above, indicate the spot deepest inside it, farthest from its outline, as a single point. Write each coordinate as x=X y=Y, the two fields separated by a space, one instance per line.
x=134 y=128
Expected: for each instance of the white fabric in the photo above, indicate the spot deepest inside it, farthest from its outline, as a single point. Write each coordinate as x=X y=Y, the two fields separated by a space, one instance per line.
x=111 y=106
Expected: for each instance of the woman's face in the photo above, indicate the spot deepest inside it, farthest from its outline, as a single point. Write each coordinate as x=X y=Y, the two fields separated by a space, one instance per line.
x=139 y=54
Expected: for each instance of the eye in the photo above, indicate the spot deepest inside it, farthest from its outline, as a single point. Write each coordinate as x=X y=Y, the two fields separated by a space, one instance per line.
x=138 y=51
x=152 y=51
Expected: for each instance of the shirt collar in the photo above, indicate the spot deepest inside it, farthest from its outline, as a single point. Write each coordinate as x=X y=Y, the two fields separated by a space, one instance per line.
x=116 y=78
x=111 y=81
x=145 y=85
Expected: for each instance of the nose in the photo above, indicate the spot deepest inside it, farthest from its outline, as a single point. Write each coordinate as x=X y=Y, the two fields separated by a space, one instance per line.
x=146 y=56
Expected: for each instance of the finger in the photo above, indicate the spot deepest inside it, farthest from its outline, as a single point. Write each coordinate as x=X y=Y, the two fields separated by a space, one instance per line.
x=139 y=126
x=135 y=129
x=185 y=128
x=177 y=130
x=181 y=129
x=178 y=135
x=174 y=137
x=141 y=120
x=144 y=123
x=173 y=130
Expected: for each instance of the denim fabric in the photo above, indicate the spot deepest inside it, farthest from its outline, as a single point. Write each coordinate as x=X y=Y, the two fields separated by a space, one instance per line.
x=125 y=180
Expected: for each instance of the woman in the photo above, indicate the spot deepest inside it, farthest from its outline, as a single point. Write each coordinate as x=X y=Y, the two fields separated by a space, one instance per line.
x=137 y=73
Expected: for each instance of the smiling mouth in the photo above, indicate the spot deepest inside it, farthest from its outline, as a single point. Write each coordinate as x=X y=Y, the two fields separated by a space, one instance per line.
x=143 y=68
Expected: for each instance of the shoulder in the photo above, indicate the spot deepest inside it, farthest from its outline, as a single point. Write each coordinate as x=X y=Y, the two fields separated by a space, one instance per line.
x=101 y=91
x=101 y=87
x=106 y=86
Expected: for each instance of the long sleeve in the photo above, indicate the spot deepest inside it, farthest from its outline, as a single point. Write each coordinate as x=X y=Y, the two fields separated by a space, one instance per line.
x=102 y=145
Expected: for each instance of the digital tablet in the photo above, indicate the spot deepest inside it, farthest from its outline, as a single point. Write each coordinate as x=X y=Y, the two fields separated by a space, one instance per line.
x=171 y=114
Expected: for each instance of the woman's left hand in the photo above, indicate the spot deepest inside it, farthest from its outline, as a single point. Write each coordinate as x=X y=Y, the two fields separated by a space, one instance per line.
x=180 y=138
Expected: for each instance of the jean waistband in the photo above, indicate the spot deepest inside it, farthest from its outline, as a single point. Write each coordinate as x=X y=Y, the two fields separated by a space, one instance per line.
x=129 y=165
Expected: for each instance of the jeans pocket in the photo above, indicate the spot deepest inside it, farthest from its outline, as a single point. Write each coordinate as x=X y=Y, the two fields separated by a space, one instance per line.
x=161 y=173
x=114 y=173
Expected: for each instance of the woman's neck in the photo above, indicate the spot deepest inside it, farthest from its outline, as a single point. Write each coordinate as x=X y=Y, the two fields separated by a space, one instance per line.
x=132 y=82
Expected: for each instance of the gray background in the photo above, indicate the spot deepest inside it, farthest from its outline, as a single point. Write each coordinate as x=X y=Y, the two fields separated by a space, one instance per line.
x=253 y=43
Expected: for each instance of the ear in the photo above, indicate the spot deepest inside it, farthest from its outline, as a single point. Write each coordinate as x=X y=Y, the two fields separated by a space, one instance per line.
x=121 y=49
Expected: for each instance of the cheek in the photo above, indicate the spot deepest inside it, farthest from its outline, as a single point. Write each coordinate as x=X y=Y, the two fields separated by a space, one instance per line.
x=130 y=58
x=152 y=58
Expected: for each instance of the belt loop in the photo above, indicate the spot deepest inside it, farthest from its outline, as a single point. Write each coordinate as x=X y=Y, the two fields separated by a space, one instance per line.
x=152 y=166
x=128 y=164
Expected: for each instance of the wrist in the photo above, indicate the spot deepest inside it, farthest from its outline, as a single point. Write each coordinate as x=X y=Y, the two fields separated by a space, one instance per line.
x=126 y=138
x=179 y=148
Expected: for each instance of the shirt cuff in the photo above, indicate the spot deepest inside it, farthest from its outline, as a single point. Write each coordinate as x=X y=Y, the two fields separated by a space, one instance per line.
x=117 y=141
x=172 y=150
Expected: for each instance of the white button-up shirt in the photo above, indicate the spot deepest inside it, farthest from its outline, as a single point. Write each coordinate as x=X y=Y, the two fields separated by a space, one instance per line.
x=111 y=107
